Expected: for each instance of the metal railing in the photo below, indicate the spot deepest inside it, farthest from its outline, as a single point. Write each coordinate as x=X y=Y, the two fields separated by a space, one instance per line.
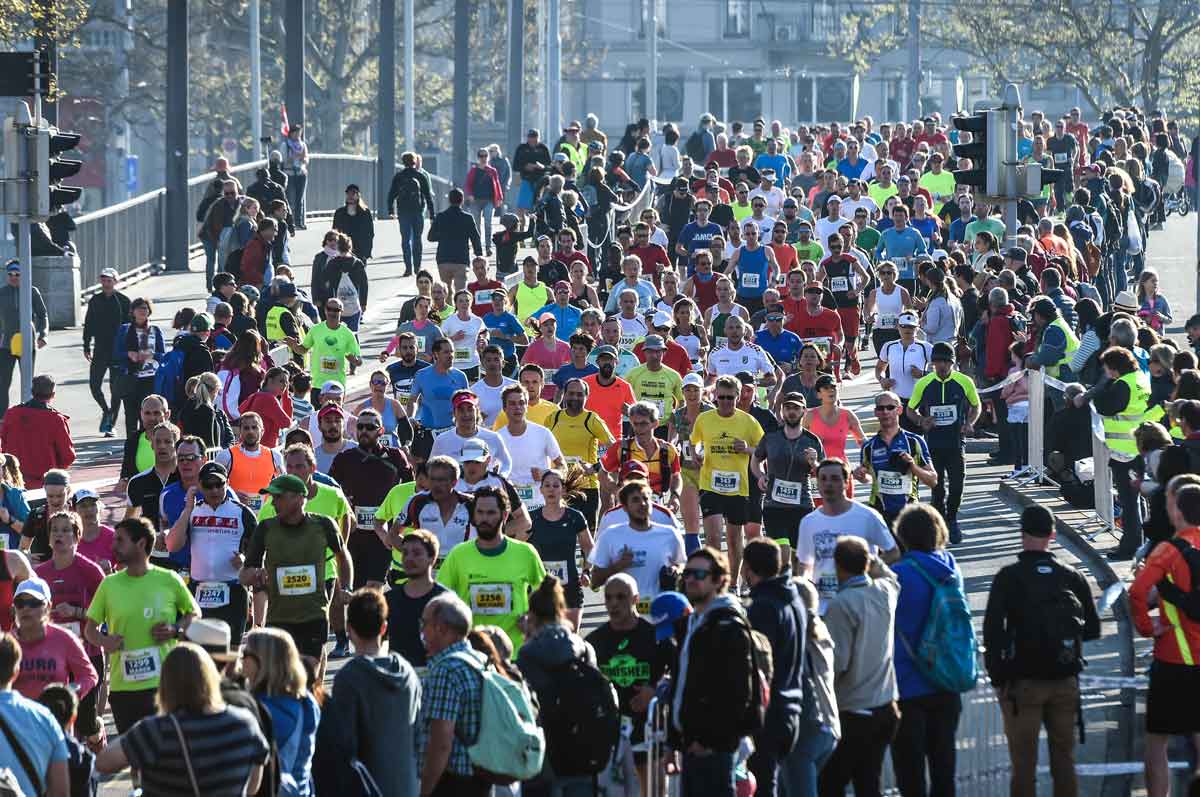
x=131 y=238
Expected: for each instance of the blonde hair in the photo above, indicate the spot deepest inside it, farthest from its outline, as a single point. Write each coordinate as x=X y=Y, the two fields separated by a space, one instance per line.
x=280 y=670
x=206 y=388
x=10 y=473
x=189 y=682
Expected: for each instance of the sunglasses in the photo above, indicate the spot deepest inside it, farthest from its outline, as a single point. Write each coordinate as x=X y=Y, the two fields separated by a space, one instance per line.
x=333 y=309
x=212 y=485
x=27 y=604
x=370 y=426
x=696 y=573
x=379 y=382
x=188 y=457
x=885 y=407
x=726 y=398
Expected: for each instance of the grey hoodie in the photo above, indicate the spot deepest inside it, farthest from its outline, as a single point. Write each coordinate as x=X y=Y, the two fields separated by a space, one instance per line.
x=376 y=701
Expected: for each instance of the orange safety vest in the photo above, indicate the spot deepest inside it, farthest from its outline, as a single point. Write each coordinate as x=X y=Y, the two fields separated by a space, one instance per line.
x=249 y=474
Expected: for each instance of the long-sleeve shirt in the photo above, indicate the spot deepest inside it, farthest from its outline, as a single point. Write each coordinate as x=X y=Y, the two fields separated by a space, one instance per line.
x=276 y=414
x=58 y=657
x=942 y=319
x=10 y=314
x=861 y=620
x=103 y=318
x=1089 y=344
x=1179 y=643
x=1051 y=346
x=901 y=243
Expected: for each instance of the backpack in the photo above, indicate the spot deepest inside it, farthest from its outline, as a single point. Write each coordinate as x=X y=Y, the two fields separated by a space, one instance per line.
x=408 y=194
x=1187 y=602
x=946 y=652
x=761 y=666
x=509 y=746
x=664 y=466
x=1049 y=642
x=231 y=387
x=582 y=720
x=695 y=147
x=168 y=380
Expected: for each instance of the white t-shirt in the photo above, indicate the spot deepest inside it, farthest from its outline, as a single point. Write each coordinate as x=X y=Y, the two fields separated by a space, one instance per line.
x=465 y=353
x=450 y=443
x=489 y=398
x=632 y=330
x=900 y=359
x=536 y=448
x=660 y=237
x=617 y=516
x=819 y=534
x=774 y=199
x=653 y=549
x=728 y=362
x=849 y=206
x=827 y=227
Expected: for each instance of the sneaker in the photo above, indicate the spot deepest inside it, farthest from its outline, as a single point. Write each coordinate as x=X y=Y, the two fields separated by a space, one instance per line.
x=106 y=424
x=855 y=368
x=340 y=651
x=955 y=532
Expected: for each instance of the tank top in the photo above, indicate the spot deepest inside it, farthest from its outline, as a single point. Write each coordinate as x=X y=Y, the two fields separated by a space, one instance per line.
x=7 y=587
x=888 y=307
x=752 y=271
x=833 y=438
x=248 y=475
x=841 y=280
x=705 y=289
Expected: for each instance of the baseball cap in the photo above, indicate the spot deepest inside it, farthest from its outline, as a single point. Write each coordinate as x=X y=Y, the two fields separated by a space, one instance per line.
x=605 y=350
x=745 y=377
x=214 y=636
x=463 y=397
x=286 y=290
x=84 y=494
x=662 y=319
x=653 y=343
x=109 y=272
x=907 y=319
x=201 y=322
x=331 y=409
x=1037 y=521
x=814 y=286
x=634 y=468
x=34 y=586
x=562 y=284
x=794 y=397
x=547 y=316
x=531 y=132
x=573 y=126
x=474 y=450
x=56 y=480
x=332 y=387
x=213 y=470
x=790 y=202
x=13 y=265
x=561 y=156
x=286 y=483
x=938 y=254
x=693 y=379
x=665 y=610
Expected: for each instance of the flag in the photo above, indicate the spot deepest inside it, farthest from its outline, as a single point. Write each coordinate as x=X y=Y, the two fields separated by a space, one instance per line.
x=283 y=127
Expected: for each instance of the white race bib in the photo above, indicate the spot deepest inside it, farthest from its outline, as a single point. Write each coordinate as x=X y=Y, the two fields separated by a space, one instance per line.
x=726 y=481
x=462 y=355
x=893 y=483
x=944 y=414
x=1060 y=157
x=420 y=344
x=558 y=570
x=821 y=344
x=751 y=280
x=484 y=296
x=142 y=664
x=549 y=374
x=720 y=342
x=524 y=491
x=839 y=284
x=364 y=517
x=627 y=341
x=296 y=580
x=887 y=321
x=491 y=598
x=785 y=492
x=212 y=594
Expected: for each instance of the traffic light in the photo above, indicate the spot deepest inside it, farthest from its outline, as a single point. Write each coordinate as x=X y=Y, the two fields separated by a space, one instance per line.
x=987 y=150
x=52 y=169
x=1033 y=177
x=15 y=192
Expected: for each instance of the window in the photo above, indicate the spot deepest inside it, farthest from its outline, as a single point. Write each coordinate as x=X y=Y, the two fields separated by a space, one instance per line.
x=892 y=94
x=834 y=98
x=734 y=99
x=804 y=98
x=737 y=19
x=644 y=13
x=670 y=99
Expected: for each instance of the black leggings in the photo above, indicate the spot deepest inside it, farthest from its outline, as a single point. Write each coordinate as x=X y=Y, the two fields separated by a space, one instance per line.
x=949 y=466
x=134 y=392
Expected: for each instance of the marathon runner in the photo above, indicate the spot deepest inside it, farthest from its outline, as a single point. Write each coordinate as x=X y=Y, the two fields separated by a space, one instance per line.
x=466 y=427
x=608 y=395
x=249 y=464
x=555 y=530
x=818 y=325
x=644 y=445
x=467 y=332
x=904 y=361
x=531 y=446
x=489 y=386
x=581 y=434
x=832 y=423
x=845 y=276
x=783 y=465
x=753 y=267
x=895 y=461
x=650 y=552
x=901 y=243
x=654 y=383
x=442 y=510
x=533 y=379
x=884 y=306
x=433 y=388
x=477 y=472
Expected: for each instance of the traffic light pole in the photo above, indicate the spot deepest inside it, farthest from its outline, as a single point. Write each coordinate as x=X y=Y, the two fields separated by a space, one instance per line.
x=25 y=252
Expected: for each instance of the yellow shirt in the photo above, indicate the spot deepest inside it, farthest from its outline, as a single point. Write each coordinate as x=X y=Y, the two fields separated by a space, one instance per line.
x=663 y=388
x=580 y=439
x=537 y=413
x=725 y=471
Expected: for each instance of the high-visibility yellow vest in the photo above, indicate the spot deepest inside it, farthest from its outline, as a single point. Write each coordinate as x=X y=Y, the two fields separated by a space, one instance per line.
x=1119 y=428
x=1056 y=370
x=275 y=323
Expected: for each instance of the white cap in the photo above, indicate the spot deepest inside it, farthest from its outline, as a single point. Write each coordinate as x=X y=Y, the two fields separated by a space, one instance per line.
x=36 y=587
x=474 y=450
x=694 y=379
x=332 y=386
x=663 y=319
x=908 y=319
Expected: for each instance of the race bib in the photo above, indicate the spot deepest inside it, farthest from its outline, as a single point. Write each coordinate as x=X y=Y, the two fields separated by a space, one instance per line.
x=142 y=664
x=821 y=344
x=726 y=481
x=887 y=321
x=212 y=594
x=627 y=341
x=364 y=517
x=524 y=492
x=643 y=607
x=296 y=580
x=491 y=598
x=549 y=373
x=484 y=296
x=944 y=414
x=421 y=341
x=462 y=355
x=839 y=284
x=751 y=280
x=558 y=570
x=253 y=502
x=893 y=483
x=402 y=390
x=573 y=461
x=329 y=365
x=697 y=366
x=785 y=492
x=1060 y=157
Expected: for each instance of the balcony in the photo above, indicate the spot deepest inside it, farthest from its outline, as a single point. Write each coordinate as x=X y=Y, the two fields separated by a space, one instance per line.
x=814 y=23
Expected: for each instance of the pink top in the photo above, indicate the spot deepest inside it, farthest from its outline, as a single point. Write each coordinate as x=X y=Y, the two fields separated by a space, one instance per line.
x=75 y=585
x=99 y=549
x=57 y=658
x=833 y=438
x=550 y=359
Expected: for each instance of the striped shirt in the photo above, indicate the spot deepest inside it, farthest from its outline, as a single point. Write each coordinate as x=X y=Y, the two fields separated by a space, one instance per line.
x=223 y=747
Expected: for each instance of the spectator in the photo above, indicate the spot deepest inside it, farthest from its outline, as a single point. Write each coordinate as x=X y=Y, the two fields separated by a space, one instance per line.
x=819 y=726
x=62 y=702
x=196 y=744
x=106 y=312
x=411 y=198
x=354 y=219
x=216 y=222
x=928 y=715
x=861 y=617
x=1030 y=657
x=14 y=509
x=345 y=277
x=295 y=165
x=10 y=327
x=456 y=235
x=484 y=194
x=255 y=268
x=275 y=675
x=38 y=435
x=1171 y=462
x=199 y=415
x=43 y=743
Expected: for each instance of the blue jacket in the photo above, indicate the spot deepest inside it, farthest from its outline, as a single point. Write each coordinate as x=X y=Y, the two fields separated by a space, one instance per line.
x=912 y=612
x=295 y=725
x=776 y=611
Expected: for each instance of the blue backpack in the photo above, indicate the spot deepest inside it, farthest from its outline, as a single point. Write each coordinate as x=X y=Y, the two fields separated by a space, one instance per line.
x=948 y=648
x=168 y=381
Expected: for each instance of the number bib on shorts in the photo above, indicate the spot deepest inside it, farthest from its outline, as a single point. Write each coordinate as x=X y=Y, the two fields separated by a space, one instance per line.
x=212 y=594
x=785 y=492
x=296 y=580
x=893 y=483
x=142 y=664
x=944 y=414
x=726 y=481
x=364 y=517
x=491 y=598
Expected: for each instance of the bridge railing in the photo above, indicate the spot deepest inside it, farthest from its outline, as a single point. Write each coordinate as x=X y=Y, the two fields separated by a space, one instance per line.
x=131 y=237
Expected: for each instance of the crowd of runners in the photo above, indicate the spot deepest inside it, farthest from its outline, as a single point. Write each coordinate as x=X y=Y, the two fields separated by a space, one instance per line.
x=623 y=375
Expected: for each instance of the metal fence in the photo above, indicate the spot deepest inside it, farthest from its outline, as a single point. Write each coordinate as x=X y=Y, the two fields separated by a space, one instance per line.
x=131 y=238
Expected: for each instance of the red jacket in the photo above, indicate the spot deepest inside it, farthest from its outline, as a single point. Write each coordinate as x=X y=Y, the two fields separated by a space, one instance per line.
x=497 y=192
x=999 y=338
x=40 y=437
x=254 y=261
x=1178 y=641
x=276 y=415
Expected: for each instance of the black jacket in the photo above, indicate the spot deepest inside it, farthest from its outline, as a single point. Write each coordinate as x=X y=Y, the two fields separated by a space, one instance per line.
x=398 y=180
x=264 y=189
x=207 y=423
x=331 y=275
x=197 y=359
x=455 y=233
x=277 y=174
x=360 y=227
x=103 y=318
x=777 y=611
x=526 y=161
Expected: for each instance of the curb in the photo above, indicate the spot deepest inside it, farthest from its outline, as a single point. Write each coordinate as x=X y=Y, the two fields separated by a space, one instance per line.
x=1121 y=739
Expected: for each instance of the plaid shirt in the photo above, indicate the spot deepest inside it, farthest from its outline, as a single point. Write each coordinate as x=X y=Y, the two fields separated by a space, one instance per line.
x=451 y=691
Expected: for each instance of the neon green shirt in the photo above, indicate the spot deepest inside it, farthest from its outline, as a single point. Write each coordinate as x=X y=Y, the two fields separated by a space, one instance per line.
x=741 y=211
x=939 y=186
x=880 y=194
x=144 y=458
x=663 y=388
x=131 y=606
x=330 y=502
x=393 y=504
x=327 y=352
x=495 y=583
x=810 y=251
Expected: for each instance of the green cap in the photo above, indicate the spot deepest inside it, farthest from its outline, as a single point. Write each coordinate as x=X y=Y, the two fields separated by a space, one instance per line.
x=285 y=484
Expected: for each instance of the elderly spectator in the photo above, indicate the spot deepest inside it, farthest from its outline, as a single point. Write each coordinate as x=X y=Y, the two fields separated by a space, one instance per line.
x=37 y=434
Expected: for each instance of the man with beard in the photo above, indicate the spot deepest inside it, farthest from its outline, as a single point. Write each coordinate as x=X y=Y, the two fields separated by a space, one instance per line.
x=441 y=510
x=250 y=465
x=332 y=422
x=608 y=394
x=367 y=472
x=492 y=573
x=783 y=463
x=189 y=456
x=581 y=434
x=640 y=547
x=466 y=427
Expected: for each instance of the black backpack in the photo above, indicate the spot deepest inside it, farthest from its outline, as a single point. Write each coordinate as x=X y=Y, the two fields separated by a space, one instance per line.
x=695 y=147
x=1188 y=602
x=408 y=194
x=761 y=671
x=1049 y=643
x=582 y=719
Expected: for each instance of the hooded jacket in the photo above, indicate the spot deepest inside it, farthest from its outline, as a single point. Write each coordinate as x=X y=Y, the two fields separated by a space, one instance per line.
x=999 y=338
x=40 y=437
x=371 y=717
x=777 y=611
x=197 y=359
x=331 y=277
x=552 y=646
x=294 y=722
x=912 y=612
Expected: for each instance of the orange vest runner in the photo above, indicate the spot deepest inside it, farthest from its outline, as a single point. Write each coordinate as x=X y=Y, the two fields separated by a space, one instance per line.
x=250 y=474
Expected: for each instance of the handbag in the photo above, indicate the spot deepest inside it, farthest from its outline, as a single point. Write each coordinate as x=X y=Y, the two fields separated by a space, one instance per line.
x=187 y=759
x=23 y=758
